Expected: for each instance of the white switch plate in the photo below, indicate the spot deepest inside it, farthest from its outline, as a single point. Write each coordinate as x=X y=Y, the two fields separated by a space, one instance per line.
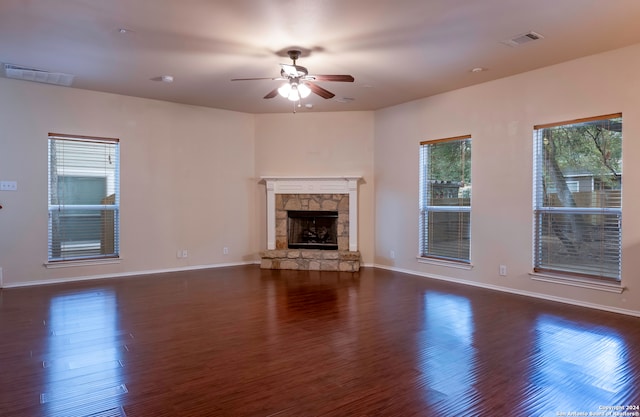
x=8 y=185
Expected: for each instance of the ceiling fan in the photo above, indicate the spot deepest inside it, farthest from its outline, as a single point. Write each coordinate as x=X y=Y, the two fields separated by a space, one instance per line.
x=299 y=84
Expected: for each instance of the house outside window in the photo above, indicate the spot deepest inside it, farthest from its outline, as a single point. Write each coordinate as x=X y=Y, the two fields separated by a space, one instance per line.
x=578 y=198
x=445 y=199
x=84 y=198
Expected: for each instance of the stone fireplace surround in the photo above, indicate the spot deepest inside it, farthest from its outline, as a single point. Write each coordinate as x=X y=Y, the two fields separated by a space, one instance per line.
x=312 y=193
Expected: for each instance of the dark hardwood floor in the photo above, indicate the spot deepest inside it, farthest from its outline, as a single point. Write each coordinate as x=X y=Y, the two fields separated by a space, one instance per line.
x=242 y=341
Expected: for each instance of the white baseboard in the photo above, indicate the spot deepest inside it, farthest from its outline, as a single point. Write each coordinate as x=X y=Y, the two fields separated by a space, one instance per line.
x=121 y=275
x=627 y=312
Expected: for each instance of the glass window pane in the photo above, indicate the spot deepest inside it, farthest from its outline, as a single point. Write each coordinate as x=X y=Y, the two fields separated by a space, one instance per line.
x=579 y=243
x=83 y=182
x=448 y=235
x=578 y=197
x=449 y=173
x=445 y=198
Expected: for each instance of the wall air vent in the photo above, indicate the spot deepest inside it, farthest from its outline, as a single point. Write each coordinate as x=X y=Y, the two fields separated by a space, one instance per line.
x=32 y=74
x=522 y=39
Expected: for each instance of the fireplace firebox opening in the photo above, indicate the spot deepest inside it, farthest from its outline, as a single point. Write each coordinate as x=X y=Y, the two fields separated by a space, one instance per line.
x=312 y=229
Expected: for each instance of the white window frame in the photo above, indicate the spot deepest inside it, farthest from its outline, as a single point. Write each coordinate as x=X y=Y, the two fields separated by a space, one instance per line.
x=574 y=276
x=57 y=257
x=424 y=253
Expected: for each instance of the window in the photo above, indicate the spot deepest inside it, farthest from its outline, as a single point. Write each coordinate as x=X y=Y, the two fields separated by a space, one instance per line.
x=578 y=228
x=445 y=198
x=84 y=197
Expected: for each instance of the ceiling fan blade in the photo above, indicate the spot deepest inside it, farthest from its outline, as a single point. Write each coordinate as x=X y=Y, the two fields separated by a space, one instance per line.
x=343 y=78
x=320 y=91
x=272 y=93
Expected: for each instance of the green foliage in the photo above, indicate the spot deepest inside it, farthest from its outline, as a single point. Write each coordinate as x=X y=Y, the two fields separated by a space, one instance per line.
x=587 y=148
x=451 y=161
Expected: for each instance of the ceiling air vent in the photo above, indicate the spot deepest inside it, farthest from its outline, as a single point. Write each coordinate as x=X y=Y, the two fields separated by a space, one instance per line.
x=32 y=74
x=522 y=39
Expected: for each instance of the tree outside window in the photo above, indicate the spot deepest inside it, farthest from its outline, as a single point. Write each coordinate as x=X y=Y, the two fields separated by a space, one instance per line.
x=445 y=199
x=577 y=197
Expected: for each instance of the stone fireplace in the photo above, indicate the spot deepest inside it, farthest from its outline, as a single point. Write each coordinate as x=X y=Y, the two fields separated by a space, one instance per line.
x=312 y=223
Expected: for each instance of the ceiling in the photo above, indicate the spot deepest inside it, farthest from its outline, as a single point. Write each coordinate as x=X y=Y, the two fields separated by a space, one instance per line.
x=397 y=50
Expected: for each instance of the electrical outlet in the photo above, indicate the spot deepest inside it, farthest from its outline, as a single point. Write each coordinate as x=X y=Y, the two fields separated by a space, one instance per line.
x=8 y=185
x=392 y=254
x=185 y=253
x=225 y=250
x=503 y=270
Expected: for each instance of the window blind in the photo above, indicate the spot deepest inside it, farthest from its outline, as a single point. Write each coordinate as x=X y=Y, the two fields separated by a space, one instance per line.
x=445 y=199
x=578 y=197
x=84 y=197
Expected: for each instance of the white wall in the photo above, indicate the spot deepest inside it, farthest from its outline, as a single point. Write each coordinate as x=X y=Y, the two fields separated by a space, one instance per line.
x=190 y=175
x=500 y=116
x=187 y=179
x=319 y=144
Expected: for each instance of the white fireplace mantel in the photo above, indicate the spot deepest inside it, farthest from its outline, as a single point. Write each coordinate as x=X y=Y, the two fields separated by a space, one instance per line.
x=312 y=185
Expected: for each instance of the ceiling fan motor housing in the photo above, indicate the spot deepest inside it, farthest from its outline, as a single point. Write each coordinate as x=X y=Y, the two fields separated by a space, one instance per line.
x=294 y=54
x=293 y=71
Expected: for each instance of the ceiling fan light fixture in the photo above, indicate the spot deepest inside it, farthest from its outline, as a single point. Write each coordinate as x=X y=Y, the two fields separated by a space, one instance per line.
x=294 y=95
x=294 y=91
x=284 y=90
x=304 y=90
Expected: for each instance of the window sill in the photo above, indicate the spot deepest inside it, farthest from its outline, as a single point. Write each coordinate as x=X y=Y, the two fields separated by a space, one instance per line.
x=578 y=282
x=443 y=262
x=81 y=262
